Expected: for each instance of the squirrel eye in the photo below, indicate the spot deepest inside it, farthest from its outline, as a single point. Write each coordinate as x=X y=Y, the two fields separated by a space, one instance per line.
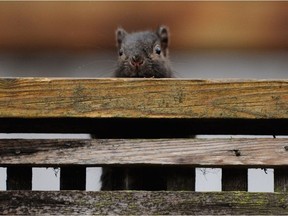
x=158 y=49
x=120 y=52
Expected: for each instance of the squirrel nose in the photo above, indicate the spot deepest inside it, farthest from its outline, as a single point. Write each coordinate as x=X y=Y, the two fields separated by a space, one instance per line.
x=136 y=61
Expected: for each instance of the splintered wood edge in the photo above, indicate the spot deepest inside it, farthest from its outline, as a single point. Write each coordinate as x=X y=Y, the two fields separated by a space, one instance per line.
x=143 y=98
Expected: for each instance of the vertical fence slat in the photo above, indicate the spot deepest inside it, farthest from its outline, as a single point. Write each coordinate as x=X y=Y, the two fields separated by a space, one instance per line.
x=234 y=179
x=280 y=179
x=149 y=178
x=19 y=178
x=181 y=178
x=113 y=178
x=134 y=178
x=73 y=178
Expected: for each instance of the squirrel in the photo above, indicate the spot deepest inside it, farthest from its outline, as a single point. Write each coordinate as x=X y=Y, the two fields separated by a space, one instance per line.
x=141 y=54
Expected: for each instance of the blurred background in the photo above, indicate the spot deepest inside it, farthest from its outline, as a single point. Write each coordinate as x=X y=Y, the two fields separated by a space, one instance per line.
x=208 y=39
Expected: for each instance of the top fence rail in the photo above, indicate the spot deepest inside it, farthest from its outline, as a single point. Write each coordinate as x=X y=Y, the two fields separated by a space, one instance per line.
x=143 y=98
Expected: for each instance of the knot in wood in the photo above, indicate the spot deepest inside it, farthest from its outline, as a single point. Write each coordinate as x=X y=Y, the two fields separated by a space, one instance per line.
x=237 y=152
x=17 y=151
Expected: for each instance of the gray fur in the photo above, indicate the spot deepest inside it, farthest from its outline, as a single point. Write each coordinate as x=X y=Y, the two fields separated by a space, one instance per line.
x=139 y=48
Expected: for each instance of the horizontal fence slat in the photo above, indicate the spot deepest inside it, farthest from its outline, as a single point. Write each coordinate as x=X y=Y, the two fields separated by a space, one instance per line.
x=258 y=152
x=142 y=98
x=159 y=203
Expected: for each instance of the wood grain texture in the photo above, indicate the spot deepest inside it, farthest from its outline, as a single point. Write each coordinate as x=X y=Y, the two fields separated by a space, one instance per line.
x=142 y=98
x=97 y=152
x=143 y=203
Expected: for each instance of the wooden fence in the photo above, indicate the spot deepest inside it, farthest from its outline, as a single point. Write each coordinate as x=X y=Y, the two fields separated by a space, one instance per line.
x=144 y=123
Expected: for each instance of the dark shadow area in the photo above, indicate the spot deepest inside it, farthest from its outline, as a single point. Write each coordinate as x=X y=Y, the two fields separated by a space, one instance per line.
x=145 y=128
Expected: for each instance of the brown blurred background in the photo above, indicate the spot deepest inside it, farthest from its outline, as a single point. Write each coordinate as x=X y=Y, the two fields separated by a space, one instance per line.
x=208 y=39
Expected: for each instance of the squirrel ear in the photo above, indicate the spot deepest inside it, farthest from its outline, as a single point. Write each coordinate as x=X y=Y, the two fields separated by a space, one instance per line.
x=163 y=34
x=120 y=34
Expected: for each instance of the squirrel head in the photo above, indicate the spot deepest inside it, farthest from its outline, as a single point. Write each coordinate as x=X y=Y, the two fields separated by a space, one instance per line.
x=143 y=54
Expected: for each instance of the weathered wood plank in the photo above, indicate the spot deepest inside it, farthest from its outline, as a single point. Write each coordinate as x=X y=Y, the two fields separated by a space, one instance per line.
x=142 y=98
x=260 y=152
x=143 y=203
